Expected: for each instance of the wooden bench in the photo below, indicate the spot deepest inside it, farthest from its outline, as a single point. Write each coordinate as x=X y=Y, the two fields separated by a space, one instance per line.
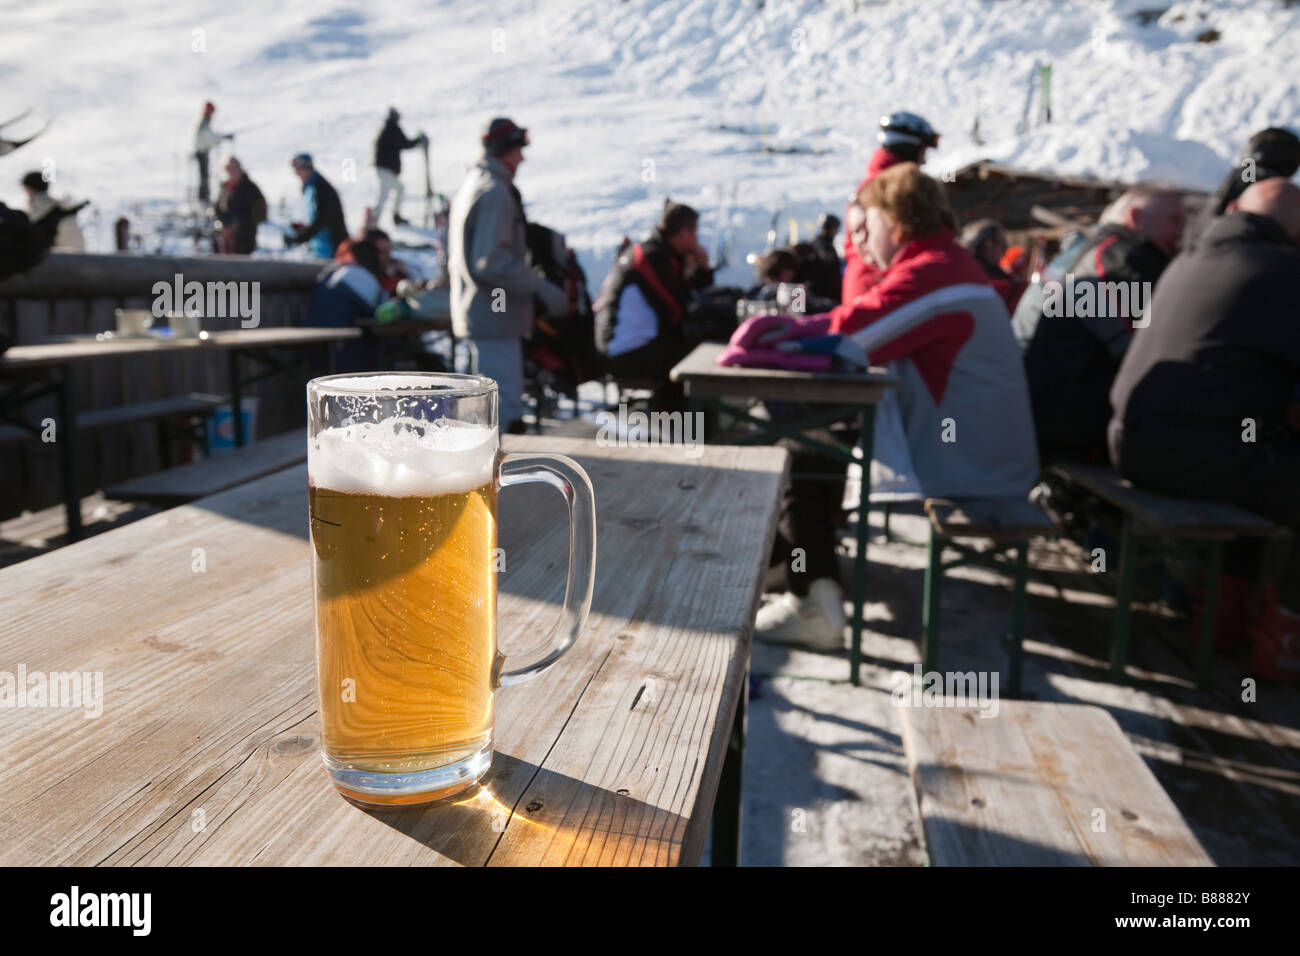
x=194 y=405
x=1007 y=524
x=1147 y=515
x=1039 y=784
x=198 y=479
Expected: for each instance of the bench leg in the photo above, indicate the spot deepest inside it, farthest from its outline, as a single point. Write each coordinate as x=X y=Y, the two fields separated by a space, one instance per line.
x=1128 y=552
x=727 y=804
x=887 y=511
x=67 y=440
x=930 y=605
x=1017 y=650
x=1210 y=615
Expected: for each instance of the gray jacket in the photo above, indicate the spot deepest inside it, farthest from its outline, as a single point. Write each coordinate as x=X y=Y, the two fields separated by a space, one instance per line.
x=492 y=286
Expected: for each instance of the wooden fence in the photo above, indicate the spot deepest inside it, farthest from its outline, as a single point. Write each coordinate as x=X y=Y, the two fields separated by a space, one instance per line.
x=74 y=294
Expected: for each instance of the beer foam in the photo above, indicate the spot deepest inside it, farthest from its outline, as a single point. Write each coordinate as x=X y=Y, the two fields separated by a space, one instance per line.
x=402 y=457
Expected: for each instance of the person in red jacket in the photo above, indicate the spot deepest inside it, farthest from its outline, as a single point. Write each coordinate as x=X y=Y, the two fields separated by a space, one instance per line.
x=904 y=138
x=962 y=396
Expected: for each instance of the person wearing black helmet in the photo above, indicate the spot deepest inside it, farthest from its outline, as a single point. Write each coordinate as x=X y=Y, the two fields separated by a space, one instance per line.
x=388 y=164
x=492 y=284
x=904 y=138
x=1270 y=153
x=40 y=203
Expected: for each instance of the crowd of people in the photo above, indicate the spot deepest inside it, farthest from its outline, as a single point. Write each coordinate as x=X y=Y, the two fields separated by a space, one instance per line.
x=1161 y=347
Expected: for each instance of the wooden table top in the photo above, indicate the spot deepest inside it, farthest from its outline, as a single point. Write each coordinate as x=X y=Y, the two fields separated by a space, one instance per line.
x=62 y=353
x=702 y=377
x=206 y=751
x=1039 y=784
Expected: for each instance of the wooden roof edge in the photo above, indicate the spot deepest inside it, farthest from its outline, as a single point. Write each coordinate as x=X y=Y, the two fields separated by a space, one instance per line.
x=1078 y=182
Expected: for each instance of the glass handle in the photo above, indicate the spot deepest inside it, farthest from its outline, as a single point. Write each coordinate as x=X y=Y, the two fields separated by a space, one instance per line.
x=567 y=476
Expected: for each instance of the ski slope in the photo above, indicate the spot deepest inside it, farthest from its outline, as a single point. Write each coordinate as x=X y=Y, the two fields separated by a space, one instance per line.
x=631 y=102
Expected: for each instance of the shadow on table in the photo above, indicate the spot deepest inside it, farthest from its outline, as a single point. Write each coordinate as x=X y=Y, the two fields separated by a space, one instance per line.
x=521 y=814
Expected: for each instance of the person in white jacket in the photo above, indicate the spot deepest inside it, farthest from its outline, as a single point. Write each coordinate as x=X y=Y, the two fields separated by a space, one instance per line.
x=492 y=285
x=205 y=137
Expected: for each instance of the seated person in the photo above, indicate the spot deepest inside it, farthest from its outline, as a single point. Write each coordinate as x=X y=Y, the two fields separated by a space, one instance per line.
x=1075 y=326
x=1204 y=399
x=391 y=271
x=345 y=292
x=963 y=398
x=644 y=300
x=987 y=242
x=783 y=267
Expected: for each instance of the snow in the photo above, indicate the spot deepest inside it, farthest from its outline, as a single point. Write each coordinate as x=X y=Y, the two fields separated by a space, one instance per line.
x=625 y=99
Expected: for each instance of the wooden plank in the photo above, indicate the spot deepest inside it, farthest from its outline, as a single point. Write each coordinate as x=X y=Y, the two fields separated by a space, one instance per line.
x=148 y=411
x=1039 y=784
x=701 y=377
x=61 y=353
x=997 y=518
x=206 y=751
x=212 y=475
x=1162 y=514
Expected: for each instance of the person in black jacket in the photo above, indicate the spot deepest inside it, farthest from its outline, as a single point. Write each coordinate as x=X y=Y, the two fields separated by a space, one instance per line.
x=240 y=208
x=1207 y=404
x=1271 y=153
x=326 y=227
x=644 y=300
x=1076 y=324
x=1201 y=399
x=388 y=164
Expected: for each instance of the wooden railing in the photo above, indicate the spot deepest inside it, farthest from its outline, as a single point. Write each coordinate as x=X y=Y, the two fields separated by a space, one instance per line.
x=78 y=294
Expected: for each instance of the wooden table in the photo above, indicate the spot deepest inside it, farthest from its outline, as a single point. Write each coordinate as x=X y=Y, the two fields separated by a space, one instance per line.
x=1039 y=784
x=49 y=368
x=207 y=748
x=838 y=395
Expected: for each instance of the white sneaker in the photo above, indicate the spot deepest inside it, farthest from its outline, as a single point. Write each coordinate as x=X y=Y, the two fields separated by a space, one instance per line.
x=816 y=621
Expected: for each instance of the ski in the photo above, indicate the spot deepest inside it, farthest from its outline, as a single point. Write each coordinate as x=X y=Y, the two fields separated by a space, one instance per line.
x=430 y=214
x=1029 y=99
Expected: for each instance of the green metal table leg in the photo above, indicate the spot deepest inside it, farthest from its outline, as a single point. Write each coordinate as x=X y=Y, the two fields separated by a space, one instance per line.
x=727 y=804
x=236 y=398
x=867 y=443
x=1128 y=552
x=1210 y=615
x=887 y=511
x=930 y=605
x=1018 y=619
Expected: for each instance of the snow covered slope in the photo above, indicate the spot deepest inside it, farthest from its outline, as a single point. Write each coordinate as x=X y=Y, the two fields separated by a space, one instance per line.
x=629 y=102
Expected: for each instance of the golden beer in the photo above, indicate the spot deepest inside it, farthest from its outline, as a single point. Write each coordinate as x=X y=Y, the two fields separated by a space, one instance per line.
x=405 y=626
x=403 y=472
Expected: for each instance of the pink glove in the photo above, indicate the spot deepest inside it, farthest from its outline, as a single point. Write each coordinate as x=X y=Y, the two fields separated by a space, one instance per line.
x=773 y=358
x=762 y=331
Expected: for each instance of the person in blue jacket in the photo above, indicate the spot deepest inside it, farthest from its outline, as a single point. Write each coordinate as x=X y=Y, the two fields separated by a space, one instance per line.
x=325 y=227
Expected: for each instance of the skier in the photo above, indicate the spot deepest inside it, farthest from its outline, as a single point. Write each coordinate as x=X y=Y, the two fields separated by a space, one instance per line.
x=492 y=285
x=240 y=208
x=68 y=238
x=325 y=227
x=205 y=137
x=388 y=164
x=904 y=138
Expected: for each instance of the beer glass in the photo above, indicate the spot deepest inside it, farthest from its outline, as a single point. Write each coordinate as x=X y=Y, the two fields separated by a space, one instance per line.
x=403 y=474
